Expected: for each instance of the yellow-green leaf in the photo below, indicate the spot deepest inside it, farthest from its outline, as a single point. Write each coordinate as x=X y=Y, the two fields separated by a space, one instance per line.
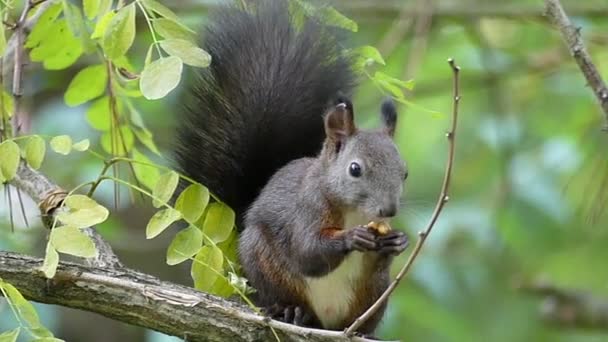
x=219 y=222
x=43 y=26
x=160 y=77
x=123 y=139
x=88 y=84
x=331 y=17
x=370 y=54
x=25 y=309
x=192 y=202
x=146 y=174
x=184 y=246
x=91 y=8
x=164 y=188
x=120 y=33
x=51 y=261
x=71 y=240
x=84 y=212
x=102 y=25
x=187 y=51
x=9 y=159
x=10 y=336
x=160 y=9
x=61 y=144
x=168 y=29
x=145 y=137
x=98 y=115
x=7 y=105
x=35 y=148
x=2 y=44
x=207 y=267
x=82 y=145
x=160 y=221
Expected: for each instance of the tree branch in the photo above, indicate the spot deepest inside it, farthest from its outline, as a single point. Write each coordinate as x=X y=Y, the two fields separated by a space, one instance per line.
x=139 y=299
x=49 y=197
x=570 y=308
x=572 y=37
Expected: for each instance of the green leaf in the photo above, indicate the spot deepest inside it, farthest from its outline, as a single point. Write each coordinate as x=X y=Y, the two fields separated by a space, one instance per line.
x=88 y=84
x=91 y=8
x=72 y=16
x=331 y=17
x=7 y=105
x=102 y=25
x=51 y=261
x=230 y=246
x=84 y=212
x=25 y=309
x=370 y=54
x=380 y=76
x=219 y=222
x=185 y=245
x=187 y=51
x=42 y=28
x=160 y=77
x=221 y=287
x=48 y=339
x=168 y=29
x=58 y=48
x=164 y=188
x=40 y=332
x=35 y=149
x=105 y=6
x=207 y=267
x=192 y=202
x=82 y=145
x=147 y=175
x=160 y=9
x=120 y=33
x=160 y=221
x=10 y=336
x=123 y=139
x=98 y=115
x=9 y=159
x=145 y=137
x=2 y=44
x=71 y=240
x=61 y=144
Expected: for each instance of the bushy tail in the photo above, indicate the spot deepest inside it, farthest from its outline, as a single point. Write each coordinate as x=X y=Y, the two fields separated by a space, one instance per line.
x=260 y=103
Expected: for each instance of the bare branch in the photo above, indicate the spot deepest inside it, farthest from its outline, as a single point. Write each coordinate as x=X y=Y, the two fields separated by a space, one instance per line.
x=568 y=308
x=49 y=197
x=443 y=199
x=572 y=37
x=139 y=299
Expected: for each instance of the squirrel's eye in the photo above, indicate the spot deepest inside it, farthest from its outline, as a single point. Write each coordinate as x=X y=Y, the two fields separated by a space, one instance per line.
x=354 y=169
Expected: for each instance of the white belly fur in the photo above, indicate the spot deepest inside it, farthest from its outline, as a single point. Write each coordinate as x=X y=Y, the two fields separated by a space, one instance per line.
x=331 y=296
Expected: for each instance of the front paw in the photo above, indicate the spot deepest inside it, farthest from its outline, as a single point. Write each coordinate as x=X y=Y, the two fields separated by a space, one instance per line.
x=290 y=314
x=361 y=239
x=393 y=243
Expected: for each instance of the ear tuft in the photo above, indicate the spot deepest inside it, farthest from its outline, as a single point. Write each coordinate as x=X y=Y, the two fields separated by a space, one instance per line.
x=340 y=121
x=389 y=116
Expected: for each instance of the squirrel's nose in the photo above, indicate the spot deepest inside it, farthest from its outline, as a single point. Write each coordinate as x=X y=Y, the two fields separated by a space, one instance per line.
x=388 y=210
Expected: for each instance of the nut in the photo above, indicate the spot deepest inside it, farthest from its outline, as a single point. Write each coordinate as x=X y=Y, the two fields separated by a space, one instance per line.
x=382 y=228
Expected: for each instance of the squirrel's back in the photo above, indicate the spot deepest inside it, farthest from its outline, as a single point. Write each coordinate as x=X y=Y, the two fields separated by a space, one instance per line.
x=260 y=103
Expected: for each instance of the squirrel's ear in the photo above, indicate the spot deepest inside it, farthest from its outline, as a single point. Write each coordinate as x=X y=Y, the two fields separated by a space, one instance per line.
x=340 y=121
x=389 y=116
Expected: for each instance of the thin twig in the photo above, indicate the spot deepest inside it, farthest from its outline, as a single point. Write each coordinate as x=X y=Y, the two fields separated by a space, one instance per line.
x=18 y=64
x=572 y=37
x=443 y=198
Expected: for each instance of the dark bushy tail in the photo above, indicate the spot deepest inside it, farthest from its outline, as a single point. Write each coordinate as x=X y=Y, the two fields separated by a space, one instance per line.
x=260 y=103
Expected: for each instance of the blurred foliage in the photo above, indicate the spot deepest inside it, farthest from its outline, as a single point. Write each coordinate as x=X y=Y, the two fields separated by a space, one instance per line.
x=530 y=182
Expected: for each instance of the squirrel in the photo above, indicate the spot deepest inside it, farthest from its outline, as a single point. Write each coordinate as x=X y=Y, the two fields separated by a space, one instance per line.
x=269 y=130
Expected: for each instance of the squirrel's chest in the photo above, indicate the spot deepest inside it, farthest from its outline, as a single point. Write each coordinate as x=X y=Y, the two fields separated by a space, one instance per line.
x=332 y=296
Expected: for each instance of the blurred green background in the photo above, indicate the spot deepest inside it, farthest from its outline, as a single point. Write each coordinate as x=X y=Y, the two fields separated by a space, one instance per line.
x=529 y=189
